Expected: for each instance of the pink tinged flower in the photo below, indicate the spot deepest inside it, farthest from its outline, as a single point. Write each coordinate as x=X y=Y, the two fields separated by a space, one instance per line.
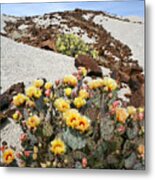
x=2 y=148
x=80 y=72
x=112 y=111
x=18 y=155
x=84 y=162
x=48 y=92
x=141 y=116
x=24 y=123
x=27 y=153
x=121 y=129
x=110 y=95
x=23 y=137
x=85 y=87
x=78 y=77
x=116 y=103
x=91 y=94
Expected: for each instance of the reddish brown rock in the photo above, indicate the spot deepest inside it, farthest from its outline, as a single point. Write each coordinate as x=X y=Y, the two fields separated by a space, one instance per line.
x=48 y=45
x=6 y=97
x=137 y=99
x=90 y=64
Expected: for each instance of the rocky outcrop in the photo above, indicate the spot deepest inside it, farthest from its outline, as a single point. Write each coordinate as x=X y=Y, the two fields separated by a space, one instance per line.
x=7 y=96
x=90 y=64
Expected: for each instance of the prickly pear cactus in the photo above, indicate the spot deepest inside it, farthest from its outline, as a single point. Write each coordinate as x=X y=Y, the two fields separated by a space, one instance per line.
x=130 y=161
x=74 y=140
x=132 y=131
x=40 y=106
x=47 y=129
x=78 y=155
x=72 y=45
x=106 y=128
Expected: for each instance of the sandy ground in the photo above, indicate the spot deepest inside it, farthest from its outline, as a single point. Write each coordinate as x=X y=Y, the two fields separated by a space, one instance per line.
x=21 y=62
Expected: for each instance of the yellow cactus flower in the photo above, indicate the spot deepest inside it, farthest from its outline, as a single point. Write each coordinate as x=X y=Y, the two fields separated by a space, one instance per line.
x=48 y=85
x=83 y=124
x=79 y=102
x=58 y=147
x=84 y=71
x=43 y=165
x=17 y=115
x=83 y=94
x=30 y=103
x=33 y=121
x=30 y=91
x=48 y=163
x=19 y=99
x=131 y=110
x=34 y=156
x=37 y=93
x=51 y=96
x=94 y=84
x=109 y=83
x=62 y=105
x=70 y=80
x=141 y=109
x=71 y=117
x=46 y=100
x=68 y=91
x=33 y=92
x=8 y=156
x=38 y=83
x=141 y=149
x=35 y=149
x=121 y=115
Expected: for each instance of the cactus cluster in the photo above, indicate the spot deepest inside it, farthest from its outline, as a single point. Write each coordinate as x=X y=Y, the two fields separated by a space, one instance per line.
x=72 y=45
x=103 y=132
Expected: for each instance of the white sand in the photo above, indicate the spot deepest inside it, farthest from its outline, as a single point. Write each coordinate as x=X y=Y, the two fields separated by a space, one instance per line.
x=21 y=62
x=11 y=133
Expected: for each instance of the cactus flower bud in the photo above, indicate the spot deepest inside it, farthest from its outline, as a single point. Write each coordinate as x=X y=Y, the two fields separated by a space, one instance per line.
x=48 y=92
x=84 y=162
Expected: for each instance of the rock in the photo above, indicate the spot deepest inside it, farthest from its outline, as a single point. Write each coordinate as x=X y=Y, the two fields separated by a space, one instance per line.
x=90 y=64
x=124 y=93
x=3 y=118
x=136 y=83
x=16 y=35
x=7 y=96
x=48 y=45
x=124 y=77
x=137 y=99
